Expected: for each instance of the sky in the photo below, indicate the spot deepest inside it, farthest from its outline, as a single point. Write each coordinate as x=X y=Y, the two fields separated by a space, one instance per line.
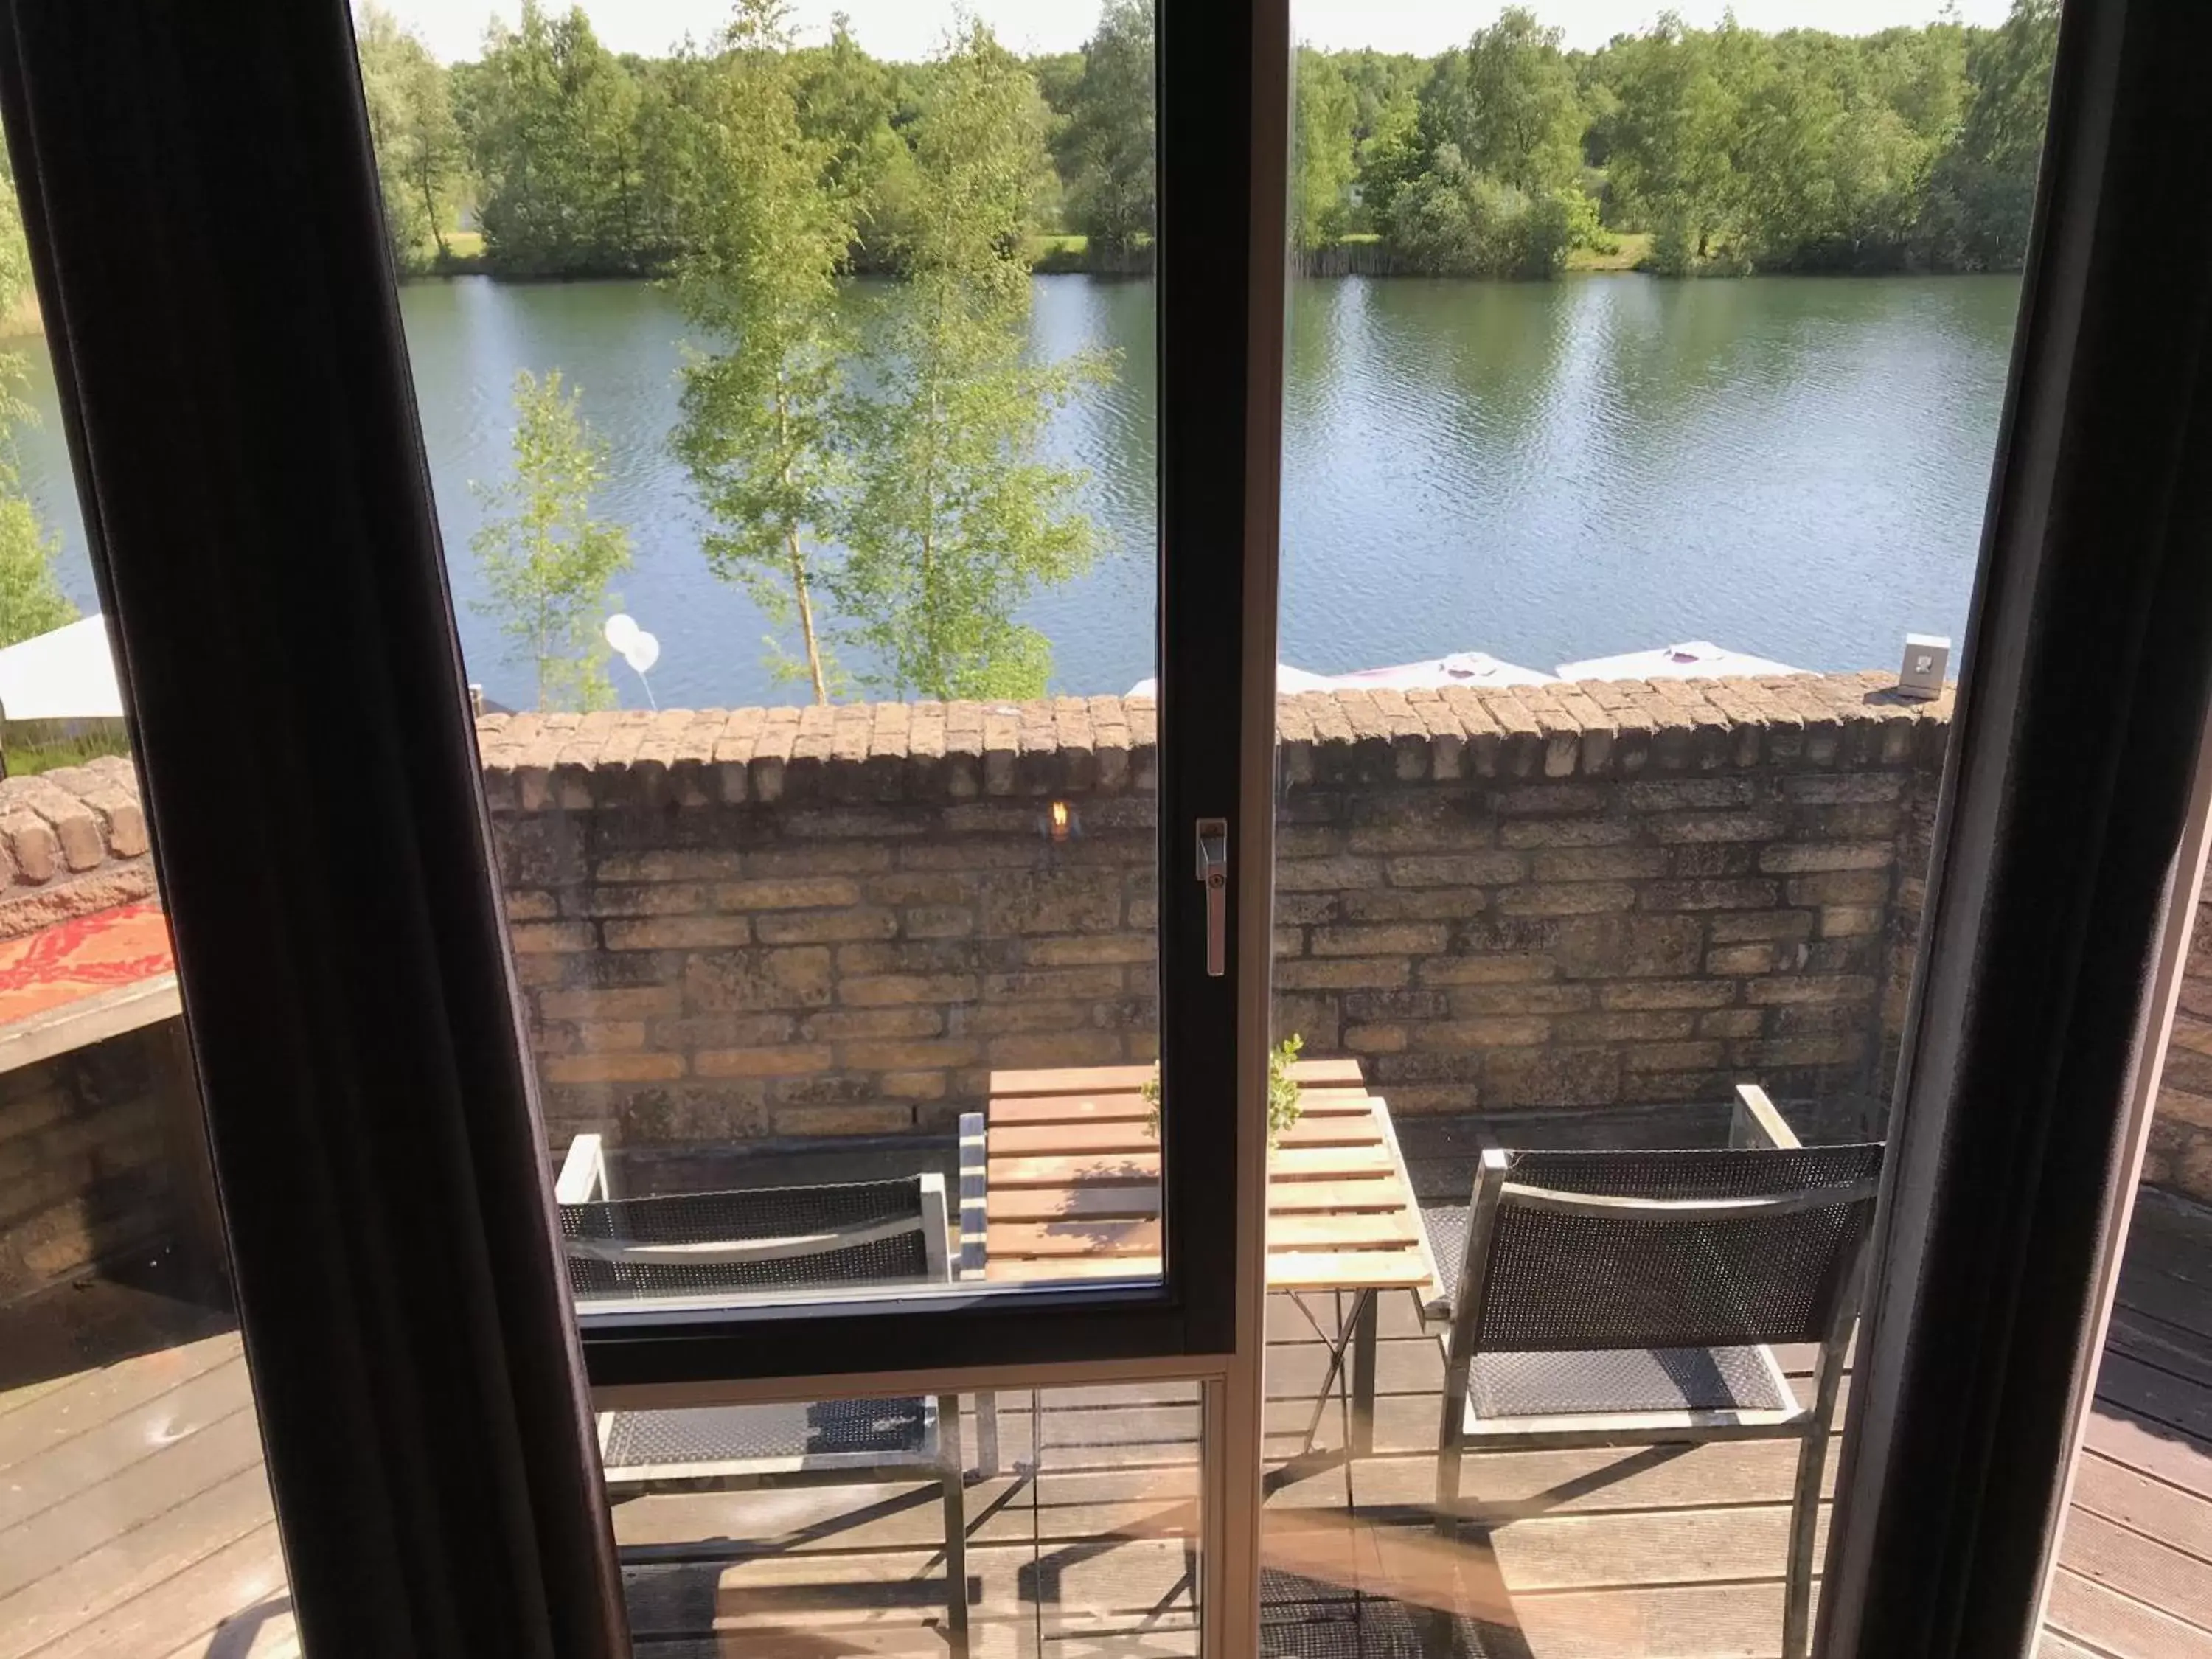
x=908 y=29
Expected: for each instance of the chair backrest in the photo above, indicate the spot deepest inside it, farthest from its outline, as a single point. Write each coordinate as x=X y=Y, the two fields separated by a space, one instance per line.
x=862 y=1232
x=1664 y=1249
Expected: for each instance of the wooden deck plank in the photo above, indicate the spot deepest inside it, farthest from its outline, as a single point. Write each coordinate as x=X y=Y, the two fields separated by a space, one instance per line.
x=80 y=1521
x=2153 y=1448
x=128 y=1566
x=96 y=1397
x=2154 y=1395
x=243 y=1575
x=2145 y=1569
x=2145 y=1505
x=109 y=1449
x=2109 y=1622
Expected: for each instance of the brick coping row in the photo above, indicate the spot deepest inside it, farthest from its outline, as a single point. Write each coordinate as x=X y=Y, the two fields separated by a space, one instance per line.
x=1079 y=745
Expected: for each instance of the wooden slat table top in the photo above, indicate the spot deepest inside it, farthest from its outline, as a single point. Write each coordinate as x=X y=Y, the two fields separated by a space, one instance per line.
x=1072 y=1183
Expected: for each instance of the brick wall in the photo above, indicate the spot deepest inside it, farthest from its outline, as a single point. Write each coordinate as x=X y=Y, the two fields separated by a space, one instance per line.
x=1590 y=899
x=2179 y=1158
x=87 y=1169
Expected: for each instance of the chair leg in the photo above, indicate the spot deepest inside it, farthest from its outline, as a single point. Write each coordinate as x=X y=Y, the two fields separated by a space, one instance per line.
x=1804 y=1524
x=953 y=1471
x=1451 y=1434
x=987 y=1434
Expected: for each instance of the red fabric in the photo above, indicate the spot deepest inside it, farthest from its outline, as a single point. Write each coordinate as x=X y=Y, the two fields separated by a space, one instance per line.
x=82 y=957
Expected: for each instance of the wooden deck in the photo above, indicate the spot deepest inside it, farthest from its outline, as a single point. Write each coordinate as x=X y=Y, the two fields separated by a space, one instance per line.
x=135 y=1520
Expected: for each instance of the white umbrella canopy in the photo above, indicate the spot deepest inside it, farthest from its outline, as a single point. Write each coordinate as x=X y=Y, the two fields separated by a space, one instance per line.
x=66 y=674
x=1287 y=680
x=1694 y=660
x=1470 y=668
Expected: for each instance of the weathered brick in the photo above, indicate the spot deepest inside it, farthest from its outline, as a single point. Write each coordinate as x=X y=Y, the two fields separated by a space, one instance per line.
x=1567 y=832
x=1630 y=1027
x=794 y=893
x=1059 y=984
x=912 y=1055
x=1381 y=939
x=1793 y=858
x=632 y=1002
x=1086 y=952
x=1810 y=987
x=1718 y=894
x=1731 y=1023
x=1599 y=864
x=1375 y=1039
x=1329 y=875
x=720 y=1032
x=1743 y=959
x=1839 y=887
x=1308 y=973
x=1551 y=1076
x=613 y=1068
x=1666 y=994
x=1476 y=869
x=1490 y=1032
x=1528 y=997
x=782 y=1060
x=826 y=926
x=678 y=934
x=670 y=864
x=811 y=1121
x=1845 y=921
x=740 y=980
x=662 y=899
x=906 y=1021
x=870 y=991
x=1567 y=899
x=1801 y=1051
x=530 y=937
x=937 y=921
x=1689 y=794
x=1689 y=1056
x=1411 y=904
x=1061 y=1048
x=1486 y=969
x=1609 y=947
x=1742 y=926
x=1061 y=901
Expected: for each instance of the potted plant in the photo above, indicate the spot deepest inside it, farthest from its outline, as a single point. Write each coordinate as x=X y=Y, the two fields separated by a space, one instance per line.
x=1283 y=1106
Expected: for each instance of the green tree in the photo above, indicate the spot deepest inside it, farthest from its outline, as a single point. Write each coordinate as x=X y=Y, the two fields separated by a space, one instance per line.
x=1105 y=150
x=31 y=599
x=1981 y=195
x=552 y=124
x=954 y=519
x=762 y=408
x=848 y=103
x=1392 y=157
x=1672 y=162
x=1321 y=138
x=418 y=142
x=1508 y=100
x=546 y=561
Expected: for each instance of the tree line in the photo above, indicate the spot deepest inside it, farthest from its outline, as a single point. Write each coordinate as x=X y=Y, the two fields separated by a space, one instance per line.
x=1727 y=149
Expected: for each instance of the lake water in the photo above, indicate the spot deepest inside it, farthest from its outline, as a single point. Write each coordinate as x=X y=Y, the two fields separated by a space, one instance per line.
x=1791 y=466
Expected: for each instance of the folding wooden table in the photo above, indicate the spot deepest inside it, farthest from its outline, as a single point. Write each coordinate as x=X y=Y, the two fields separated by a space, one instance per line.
x=1061 y=1181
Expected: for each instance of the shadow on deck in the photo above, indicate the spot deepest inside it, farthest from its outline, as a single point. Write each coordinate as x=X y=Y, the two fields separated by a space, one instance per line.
x=135 y=1518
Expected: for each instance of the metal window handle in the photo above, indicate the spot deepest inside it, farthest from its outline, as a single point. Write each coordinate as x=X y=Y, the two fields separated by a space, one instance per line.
x=1213 y=873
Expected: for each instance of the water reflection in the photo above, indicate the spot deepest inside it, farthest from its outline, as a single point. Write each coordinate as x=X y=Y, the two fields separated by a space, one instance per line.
x=1793 y=466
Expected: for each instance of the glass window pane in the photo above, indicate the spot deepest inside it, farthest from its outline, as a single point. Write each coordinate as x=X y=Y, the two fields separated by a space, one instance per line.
x=1080 y=1508
x=789 y=401
x=1642 y=394
x=135 y=1517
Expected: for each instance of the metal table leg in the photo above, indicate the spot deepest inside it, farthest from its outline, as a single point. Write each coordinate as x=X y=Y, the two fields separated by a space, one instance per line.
x=1364 y=1322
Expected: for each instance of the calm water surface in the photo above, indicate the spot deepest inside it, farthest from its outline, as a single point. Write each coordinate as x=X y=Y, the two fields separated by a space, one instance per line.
x=1792 y=466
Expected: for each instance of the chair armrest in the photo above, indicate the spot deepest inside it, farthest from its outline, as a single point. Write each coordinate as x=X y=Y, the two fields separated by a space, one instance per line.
x=974 y=1234
x=1756 y=1123
x=583 y=1175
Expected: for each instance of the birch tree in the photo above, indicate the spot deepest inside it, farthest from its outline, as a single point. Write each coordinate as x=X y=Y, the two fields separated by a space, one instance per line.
x=546 y=562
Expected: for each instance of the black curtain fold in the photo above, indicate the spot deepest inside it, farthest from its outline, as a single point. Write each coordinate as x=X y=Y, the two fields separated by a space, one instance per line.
x=2084 y=694
x=202 y=207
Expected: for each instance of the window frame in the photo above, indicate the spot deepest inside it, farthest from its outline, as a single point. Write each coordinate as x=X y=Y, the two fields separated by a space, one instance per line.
x=484 y=1515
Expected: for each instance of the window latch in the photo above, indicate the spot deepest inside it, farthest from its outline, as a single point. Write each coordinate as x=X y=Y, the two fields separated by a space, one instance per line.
x=1213 y=876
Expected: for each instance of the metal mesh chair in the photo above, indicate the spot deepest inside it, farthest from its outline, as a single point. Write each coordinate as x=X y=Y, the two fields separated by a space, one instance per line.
x=1628 y=1298
x=753 y=1241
